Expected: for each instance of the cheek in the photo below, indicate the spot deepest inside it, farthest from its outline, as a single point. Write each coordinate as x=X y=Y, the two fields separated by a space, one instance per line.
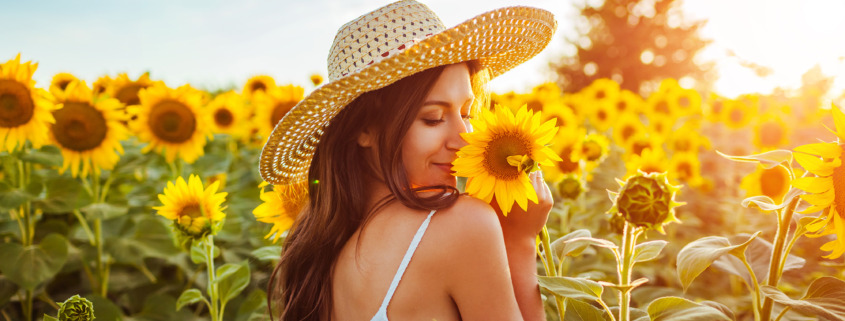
x=418 y=148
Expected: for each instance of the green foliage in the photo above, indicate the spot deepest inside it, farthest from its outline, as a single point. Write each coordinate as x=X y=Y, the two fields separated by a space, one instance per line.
x=696 y=256
x=824 y=298
x=680 y=309
x=32 y=265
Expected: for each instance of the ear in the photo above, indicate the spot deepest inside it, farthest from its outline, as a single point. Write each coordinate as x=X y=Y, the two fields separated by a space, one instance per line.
x=365 y=138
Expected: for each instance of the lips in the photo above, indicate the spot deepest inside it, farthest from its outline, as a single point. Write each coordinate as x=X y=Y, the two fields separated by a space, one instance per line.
x=447 y=167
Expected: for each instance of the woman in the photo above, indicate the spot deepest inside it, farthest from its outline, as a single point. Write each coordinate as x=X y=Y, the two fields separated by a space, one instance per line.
x=374 y=147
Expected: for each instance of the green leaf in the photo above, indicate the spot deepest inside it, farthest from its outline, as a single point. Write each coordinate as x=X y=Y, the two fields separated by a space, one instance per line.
x=560 y=247
x=162 y=307
x=825 y=298
x=233 y=279
x=49 y=318
x=254 y=307
x=104 y=211
x=721 y=307
x=154 y=238
x=696 y=256
x=648 y=251
x=64 y=194
x=30 y=266
x=105 y=309
x=268 y=253
x=768 y=159
x=757 y=254
x=577 y=310
x=49 y=155
x=189 y=296
x=198 y=253
x=11 y=197
x=764 y=202
x=593 y=241
x=573 y=288
x=679 y=309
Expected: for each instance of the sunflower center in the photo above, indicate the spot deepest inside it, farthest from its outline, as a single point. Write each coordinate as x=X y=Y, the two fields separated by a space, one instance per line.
x=717 y=107
x=662 y=107
x=602 y=115
x=682 y=145
x=223 y=117
x=621 y=106
x=16 y=105
x=838 y=178
x=280 y=110
x=638 y=146
x=773 y=182
x=63 y=84
x=591 y=150
x=172 y=121
x=627 y=132
x=600 y=94
x=736 y=115
x=499 y=148
x=567 y=165
x=684 y=102
x=256 y=86
x=684 y=170
x=128 y=94
x=192 y=211
x=770 y=133
x=79 y=126
x=535 y=105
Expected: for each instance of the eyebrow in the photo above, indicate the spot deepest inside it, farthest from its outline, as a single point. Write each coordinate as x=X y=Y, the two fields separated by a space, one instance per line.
x=445 y=104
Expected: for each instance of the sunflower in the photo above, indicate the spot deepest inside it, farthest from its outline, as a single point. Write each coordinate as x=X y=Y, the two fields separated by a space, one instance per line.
x=603 y=115
x=602 y=90
x=229 y=114
x=737 y=114
x=592 y=148
x=627 y=126
x=570 y=187
x=685 y=167
x=684 y=102
x=771 y=132
x=60 y=82
x=195 y=212
x=260 y=83
x=640 y=142
x=686 y=139
x=563 y=115
x=651 y=160
x=501 y=151
x=126 y=90
x=25 y=110
x=101 y=85
x=316 y=79
x=659 y=103
x=827 y=189
x=629 y=102
x=172 y=122
x=278 y=208
x=564 y=145
x=772 y=182
x=661 y=125
x=87 y=131
x=715 y=107
x=271 y=106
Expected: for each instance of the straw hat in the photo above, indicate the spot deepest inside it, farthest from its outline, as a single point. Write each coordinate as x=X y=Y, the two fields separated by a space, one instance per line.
x=388 y=44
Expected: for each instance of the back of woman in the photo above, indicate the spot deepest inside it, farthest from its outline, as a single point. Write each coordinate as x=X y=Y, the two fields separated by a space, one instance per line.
x=384 y=232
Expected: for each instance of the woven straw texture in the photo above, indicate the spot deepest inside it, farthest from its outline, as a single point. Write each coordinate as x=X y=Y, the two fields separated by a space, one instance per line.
x=386 y=45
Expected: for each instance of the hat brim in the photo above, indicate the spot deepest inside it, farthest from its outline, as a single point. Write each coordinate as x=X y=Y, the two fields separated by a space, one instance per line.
x=499 y=39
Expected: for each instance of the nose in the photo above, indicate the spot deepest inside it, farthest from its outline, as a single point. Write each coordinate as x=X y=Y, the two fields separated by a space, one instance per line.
x=455 y=141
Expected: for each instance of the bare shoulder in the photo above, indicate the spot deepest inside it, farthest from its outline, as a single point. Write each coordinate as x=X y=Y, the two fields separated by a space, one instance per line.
x=469 y=218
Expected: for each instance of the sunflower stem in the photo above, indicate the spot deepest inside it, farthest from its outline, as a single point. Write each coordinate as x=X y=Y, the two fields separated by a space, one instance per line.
x=105 y=189
x=755 y=288
x=212 y=286
x=551 y=270
x=26 y=237
x=778 y=255
x=101 y=270
x=27 y=306
x=629 y=240
x=85 y=227
x=783 y=313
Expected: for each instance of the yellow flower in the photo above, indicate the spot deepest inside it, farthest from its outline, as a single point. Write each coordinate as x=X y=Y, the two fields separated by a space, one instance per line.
x=646 y=200
x=25 y=110
x=570 y=187
x=87 y=131
x=101 y=85
x=771 y=132
x=715 y=107
x=685 y=167
x=686 y=139
x=229 y=114
x=564 y=145
x=592 y=148
x=643 y=141
x=563 y=115
x=627 y=126
x=603 y=116
x=260 y=83
x=659 y=103
x=280 y=207
x=827 y=189
x=126 y=90
x=737 y=114
x=602 y=90
x=172 y=122
x=316 y=79
x=661 y=125
x=629 y=102
x=685 y=102
x=60 y=82
x=651 y=160
x=773 y=182
x=195 y=211
x=499 y=135
x=271 y=106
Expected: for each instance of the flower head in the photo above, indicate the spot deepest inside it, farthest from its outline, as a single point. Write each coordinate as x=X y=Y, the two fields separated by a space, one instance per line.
x=646 y=200
x=76 y=308
x=280 y=207
x=24 y=109
x=195 y=211
x=501 y=151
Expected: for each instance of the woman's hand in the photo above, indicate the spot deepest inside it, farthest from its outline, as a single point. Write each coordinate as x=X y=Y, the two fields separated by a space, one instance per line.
x=527 y=223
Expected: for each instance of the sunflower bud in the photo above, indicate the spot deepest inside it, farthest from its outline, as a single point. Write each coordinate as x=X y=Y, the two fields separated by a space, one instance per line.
x=570 y=187
x=76 y=308
x=646 y=200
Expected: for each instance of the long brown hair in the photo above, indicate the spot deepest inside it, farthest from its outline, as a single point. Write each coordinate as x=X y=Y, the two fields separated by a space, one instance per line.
x=338 y=194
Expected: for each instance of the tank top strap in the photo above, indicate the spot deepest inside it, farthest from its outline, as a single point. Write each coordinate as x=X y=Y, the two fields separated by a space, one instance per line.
x=382 y=311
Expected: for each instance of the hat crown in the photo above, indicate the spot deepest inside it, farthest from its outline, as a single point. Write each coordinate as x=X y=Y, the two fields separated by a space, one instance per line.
x=379 y=34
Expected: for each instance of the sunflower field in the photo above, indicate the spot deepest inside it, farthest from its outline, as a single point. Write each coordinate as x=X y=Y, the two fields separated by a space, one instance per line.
x=132 y=199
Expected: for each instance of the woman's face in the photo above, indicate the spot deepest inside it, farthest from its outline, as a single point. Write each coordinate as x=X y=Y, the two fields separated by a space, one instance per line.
x=433 y=140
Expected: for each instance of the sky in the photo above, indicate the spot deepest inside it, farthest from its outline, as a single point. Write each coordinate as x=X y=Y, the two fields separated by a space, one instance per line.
x=214 y=44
